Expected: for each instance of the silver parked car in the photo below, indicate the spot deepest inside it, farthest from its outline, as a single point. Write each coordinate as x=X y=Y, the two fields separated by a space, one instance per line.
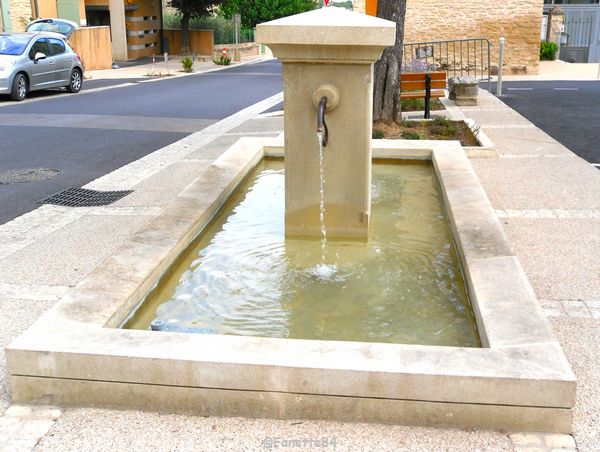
x=34 y=61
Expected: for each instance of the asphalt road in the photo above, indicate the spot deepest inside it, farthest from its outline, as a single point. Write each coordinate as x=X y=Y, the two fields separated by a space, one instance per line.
x=91 y=134
x=568 y=111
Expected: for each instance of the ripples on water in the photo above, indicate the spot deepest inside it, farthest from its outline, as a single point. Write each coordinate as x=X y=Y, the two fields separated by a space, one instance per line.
x=402 y=286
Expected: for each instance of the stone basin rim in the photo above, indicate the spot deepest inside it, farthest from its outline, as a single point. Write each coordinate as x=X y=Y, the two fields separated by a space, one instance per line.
x=521 y=365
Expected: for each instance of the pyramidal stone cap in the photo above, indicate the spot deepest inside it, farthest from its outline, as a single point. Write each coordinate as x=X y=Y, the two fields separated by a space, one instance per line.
x=328 y=27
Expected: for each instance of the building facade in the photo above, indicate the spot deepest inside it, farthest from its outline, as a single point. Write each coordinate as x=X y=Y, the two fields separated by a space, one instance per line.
x=135 y=24
x=581 y=36
x=14 y=14
x=519 y=21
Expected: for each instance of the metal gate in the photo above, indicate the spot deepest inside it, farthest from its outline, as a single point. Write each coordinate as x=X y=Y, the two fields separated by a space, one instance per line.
x=458 y=57
x=579 y=38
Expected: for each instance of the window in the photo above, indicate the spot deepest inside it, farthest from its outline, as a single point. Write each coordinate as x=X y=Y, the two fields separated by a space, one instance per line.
x=55 y=27
x=57 y=46
x=13 y=44
x=41 y=45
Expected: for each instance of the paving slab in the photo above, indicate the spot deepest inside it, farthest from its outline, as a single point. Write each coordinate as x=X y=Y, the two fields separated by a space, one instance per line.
x=497 y=116
x=21 y=427
x=263 y=126
x=214 y=149
x=158 y=190
x=560 y=256
x=17 y=316
x=260 y=126
x=539 y=183
x=526 y=142
x=109 y=430
x=580 y=339
x=66 y=256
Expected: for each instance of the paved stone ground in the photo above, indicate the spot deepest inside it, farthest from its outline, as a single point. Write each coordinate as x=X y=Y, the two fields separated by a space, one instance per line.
x=21 y=427
x=545 y=196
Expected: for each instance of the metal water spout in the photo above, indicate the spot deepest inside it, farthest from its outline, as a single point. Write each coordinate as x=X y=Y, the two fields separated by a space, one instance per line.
x=325 y=99
x=322 y=131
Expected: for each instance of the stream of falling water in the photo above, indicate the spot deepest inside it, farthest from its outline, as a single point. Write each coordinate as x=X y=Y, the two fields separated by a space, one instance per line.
x=322 y=199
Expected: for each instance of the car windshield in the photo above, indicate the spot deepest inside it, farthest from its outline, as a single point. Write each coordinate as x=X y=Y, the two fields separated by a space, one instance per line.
x=13 y=44
x=56 y=27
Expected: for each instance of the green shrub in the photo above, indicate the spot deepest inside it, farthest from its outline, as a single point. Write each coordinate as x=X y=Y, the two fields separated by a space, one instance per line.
x=187 y=64
x=548 y=51
x=223 y=60
x=378 y=134
x=409 y=124
x=410 y=135
x=441 y=121
x=418 y=104
x=443 y=127
x=447 y=131
x=412 y=104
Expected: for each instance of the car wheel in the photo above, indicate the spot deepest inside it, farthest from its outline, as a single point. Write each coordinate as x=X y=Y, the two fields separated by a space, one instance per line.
x=19 y=87
x=75 y=81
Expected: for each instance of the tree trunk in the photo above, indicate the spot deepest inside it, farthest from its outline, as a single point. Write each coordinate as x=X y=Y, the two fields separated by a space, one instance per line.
x=185 y=28
x=386 y=95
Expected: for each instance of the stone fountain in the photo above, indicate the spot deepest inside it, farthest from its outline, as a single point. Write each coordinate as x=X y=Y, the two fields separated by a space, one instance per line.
x=79 y=354
x=328 y=53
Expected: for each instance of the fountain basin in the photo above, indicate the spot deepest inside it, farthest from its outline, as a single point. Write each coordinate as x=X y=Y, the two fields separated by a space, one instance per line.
x=519 y=380
x=243 y=277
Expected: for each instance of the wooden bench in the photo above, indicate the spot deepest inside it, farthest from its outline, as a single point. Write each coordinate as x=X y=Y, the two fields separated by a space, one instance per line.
x=422 y=85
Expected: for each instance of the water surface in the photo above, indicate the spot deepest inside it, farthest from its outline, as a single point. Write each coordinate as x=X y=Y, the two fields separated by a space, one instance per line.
x=242 y=277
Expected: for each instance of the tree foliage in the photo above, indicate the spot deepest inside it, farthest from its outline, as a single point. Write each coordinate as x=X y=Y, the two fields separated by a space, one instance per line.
x=386 y=94
x=254 y=12
x=191 y=9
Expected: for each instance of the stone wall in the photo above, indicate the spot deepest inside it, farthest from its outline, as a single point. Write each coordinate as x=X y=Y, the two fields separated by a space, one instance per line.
x=246 y=49
x=20 y=13
x=519 y=21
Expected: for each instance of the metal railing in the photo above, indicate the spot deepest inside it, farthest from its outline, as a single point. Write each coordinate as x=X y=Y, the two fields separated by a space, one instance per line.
x=458 y=57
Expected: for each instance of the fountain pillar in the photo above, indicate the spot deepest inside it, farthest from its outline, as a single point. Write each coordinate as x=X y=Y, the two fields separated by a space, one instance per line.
x=328 y=52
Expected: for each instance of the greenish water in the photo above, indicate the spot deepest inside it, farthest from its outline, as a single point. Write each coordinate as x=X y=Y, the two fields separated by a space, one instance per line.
x=242 y=277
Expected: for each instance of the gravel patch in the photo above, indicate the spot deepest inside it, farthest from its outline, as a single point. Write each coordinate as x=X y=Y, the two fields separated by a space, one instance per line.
x=560 y=256
x=65 y=257
x=540 y=183
x=579 y=339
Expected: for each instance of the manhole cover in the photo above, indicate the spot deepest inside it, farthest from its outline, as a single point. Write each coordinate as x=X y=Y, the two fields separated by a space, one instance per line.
x=26 y=175
x=82 y=197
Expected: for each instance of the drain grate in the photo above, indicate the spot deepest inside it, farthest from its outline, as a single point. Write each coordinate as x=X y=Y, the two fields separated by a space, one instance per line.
x=82 y=197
